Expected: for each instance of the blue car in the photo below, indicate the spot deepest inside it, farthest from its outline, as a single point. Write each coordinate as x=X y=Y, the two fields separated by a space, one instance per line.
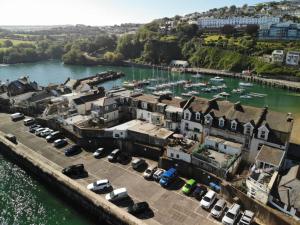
x=73 y=150
x=168 y=177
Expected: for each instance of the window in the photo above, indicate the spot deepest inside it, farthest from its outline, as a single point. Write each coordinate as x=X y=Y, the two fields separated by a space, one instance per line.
x=186 y=126
x=263 y=134
x=172 y=155
x=144 y=105
x=221 y=123
x=197 y=116
x=106 y=108
x=177 y=156
x=225 y=147
x=233 y=125
x=197 y=130
x=186 y=116
x=115 y=106
x=248 y=130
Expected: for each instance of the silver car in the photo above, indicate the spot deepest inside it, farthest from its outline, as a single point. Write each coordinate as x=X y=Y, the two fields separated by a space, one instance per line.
x=218 y=209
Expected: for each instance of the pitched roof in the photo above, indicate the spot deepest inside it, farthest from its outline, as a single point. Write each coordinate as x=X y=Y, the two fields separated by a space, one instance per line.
x=147 y=98
x=87 y=98
x=174 y=102
x=270 y=155
x=278 y=121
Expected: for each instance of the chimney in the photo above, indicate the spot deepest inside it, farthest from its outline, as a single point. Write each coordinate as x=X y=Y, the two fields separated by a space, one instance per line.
x=238 y=106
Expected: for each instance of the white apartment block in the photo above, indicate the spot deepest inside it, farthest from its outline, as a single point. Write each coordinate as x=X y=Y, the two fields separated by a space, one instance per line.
x=236 y=21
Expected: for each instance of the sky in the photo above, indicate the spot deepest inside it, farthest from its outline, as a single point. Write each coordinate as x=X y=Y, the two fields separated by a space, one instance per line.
x=102 y=12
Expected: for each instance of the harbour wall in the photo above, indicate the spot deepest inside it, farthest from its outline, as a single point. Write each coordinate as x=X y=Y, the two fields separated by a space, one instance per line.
x=50 y=174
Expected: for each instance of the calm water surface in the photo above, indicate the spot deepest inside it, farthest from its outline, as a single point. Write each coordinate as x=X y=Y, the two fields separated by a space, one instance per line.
x=24 y=201
x=56 y=72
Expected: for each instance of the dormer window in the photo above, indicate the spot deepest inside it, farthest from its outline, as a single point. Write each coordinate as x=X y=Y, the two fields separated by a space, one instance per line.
x=248 y=130
x=144 y=105
x=233 y=125
x=221 y=122
x=197 y=116
x=263 y=134
x=208 y=119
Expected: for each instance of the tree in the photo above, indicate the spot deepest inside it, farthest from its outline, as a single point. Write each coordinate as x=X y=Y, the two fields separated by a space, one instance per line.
x=7 y=43
x=113 y=57
x=252 y=29
x=129 y=46
x=228 y=30
x=232 y=9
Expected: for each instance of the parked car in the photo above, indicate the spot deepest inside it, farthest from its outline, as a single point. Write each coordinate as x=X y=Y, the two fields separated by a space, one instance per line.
x=17 y=116
x=189 y=186
x=167 y=177
x=54 y=136
x=231 y=215
x=113 y=155
x=246 y=218
x=11 y=138
x=74 y=170
x=148 y=174
x=158 y=173
x=199 y=191
x=117 y=194
x=218 y=209
x=138 y=208
x=45 y=133
x=29 y=121
x=39 y=130
x=73 y=150
x=137 y=162
x=34 y=127
x=208 y=199
x=99 y=185
x=59 y=143
x=98 y=152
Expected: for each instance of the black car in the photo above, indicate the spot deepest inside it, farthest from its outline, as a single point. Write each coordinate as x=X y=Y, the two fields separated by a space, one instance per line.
x=33 y=128
x=123 y=158
x=199 y=191
x=138 y=208
x=74 y=170
x=73 y=150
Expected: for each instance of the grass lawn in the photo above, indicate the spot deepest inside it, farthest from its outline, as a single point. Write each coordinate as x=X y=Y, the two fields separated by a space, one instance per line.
x=16 y=42
x=213 y=37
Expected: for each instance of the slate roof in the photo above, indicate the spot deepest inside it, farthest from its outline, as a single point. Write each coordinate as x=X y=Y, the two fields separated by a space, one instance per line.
x=87 y=98
x=270 y=155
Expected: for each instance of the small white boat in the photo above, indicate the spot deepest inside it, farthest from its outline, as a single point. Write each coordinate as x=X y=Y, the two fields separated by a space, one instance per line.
x=246 y=96
x=238 y=91
x=199 y=84
x=193 y=92
x=206 y=89
x=197 y=75
x=151 y=88
x=224 y=94
x=216 y=79
x=259 y=95
x=186 y=94
x=243 y=84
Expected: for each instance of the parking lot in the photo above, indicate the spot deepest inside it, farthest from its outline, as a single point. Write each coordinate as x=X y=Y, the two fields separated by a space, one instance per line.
x=168 y=206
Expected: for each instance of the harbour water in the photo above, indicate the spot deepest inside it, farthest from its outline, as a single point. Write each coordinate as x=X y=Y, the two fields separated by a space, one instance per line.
x=56 y=72
x=24 y=200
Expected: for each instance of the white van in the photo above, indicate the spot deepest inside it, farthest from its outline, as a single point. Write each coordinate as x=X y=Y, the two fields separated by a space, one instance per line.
x=208 y=199
x=117 y=194
x=29 y=121
x=232 y=214
x=16 y=116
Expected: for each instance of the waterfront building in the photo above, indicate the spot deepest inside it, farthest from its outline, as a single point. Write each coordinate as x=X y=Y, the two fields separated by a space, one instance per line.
x=21 y=86
x=179 y=63
x=264 y=173
x=236 y=21
x=280 y=31
x=292 y=58
x=278 y=56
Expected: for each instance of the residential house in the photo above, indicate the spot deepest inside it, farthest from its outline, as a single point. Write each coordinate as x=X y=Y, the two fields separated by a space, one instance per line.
x=280 y=31
x=180 y=148
x=278 y=56
x=144 y=106
x=292 y=58
x=21 y=86
x=264 y=173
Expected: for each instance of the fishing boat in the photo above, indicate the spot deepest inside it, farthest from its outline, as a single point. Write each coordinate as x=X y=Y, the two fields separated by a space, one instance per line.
x=245 y=96
x=216 y=79
x=186 y=94
x=224 y=94
x=206 y=90
x=199 y=84
x=243 y=84
x=129 y=85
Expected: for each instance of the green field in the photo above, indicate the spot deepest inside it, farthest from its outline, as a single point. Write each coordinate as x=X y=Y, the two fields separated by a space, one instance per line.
x=15 y=42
